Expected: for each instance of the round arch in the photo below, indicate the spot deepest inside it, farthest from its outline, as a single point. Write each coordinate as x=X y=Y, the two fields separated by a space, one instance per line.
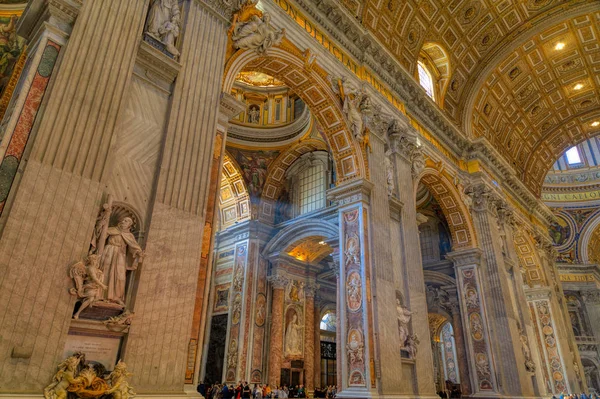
x=288 y=64
x=436 y=59
x=590 y=230
x=234 y=201
x=298 y=231
x=455 y=211
x=276 y=173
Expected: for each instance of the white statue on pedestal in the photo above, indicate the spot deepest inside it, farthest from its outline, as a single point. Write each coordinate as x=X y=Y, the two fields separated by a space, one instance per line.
x=403 y=315
x=164 y=20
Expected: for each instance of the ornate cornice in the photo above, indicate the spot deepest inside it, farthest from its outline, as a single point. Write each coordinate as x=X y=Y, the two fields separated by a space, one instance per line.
x=465 y=257
x=348 y=31
x=354 y=191
x=536 y=294
x=230 y=107
x=223 y=9
x=157 y=65
x=591 y=297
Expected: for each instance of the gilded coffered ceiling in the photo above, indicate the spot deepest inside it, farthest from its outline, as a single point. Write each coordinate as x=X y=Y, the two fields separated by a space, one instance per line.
x=543 y=97
x=507 y=81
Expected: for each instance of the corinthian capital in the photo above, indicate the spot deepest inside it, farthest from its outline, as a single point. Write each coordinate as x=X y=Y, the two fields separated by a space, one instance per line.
x=404 y=141
x=310 y=289
x=591 y=297
x=485 y=198
x=278 y=281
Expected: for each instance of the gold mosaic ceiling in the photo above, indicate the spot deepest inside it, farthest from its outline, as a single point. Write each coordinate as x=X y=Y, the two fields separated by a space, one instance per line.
x=531 y=114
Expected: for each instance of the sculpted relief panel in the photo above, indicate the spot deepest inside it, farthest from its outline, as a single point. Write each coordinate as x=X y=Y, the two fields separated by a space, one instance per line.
x=477 y=334
x=237 y=288
x=355 y=342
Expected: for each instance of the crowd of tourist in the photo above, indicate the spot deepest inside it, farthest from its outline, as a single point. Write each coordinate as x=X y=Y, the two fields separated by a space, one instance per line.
x=580 y=396
x=243 y=390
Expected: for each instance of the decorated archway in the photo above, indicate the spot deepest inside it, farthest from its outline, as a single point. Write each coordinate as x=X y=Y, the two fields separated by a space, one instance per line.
x=288 y=64
x=455 y=211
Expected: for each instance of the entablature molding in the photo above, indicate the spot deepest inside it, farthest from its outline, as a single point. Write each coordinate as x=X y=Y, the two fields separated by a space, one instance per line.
x=368 y=52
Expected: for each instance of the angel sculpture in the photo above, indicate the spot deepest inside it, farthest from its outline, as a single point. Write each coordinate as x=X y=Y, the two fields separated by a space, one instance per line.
x=63 y=377
x=120 y=387
x=256 y=34
x=89 y=284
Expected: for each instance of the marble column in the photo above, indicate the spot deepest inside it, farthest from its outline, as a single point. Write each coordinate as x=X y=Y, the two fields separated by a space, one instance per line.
x=309 y=337
x=543 y=315
x=505 y=342
x=338 y=327
x=276 y=342
x=168 y=284
x=317 y=341
x=472 y=301
x=591 y=300
x=52 y=203
x=356 y=312
x=563 y=330
x=229 y=107
x=461 y=350
x=407 y=161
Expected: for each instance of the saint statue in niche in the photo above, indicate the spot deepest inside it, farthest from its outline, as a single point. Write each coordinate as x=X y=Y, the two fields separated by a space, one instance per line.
x=293 y=336
x=253 y=114
x=119 y=244
x=114 y=251
x=164 y=20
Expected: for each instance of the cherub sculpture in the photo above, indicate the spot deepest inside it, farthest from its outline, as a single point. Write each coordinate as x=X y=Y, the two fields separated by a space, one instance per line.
x=120 y=387
x=89 y=284
x=63 y=377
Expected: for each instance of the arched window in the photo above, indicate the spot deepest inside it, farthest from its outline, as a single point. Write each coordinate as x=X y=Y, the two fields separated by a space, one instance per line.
x=328 y=322
x=308 y=182
x=426 y=238
x=573 y=157
x=426 y=80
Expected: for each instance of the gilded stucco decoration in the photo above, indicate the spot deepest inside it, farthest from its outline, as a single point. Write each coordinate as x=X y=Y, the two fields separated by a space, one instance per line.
x=453 y=206
x=76 y=378
x=288 y=64
x=539 y=101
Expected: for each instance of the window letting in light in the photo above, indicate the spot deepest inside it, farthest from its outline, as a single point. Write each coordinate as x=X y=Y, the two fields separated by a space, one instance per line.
x=425 y=80
x=312 y=188
x=573 y=156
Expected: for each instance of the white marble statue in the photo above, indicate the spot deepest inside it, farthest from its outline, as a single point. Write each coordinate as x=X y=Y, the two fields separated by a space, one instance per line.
x=389 y=173
x=403 y=315
x=164 y=21
x=256 y=34
x=114 y=264
x=253 y=114
x=89 y=285
x=411 y=345
x=352 y=112
x=293 y=337
x=529 y=364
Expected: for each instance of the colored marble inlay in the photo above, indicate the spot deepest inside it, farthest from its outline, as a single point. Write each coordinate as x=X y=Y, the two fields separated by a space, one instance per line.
x=477 y=332
x=550 y=344
x=236 y=311
x=355 y=332
x=449 y=351
x=20 y=136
